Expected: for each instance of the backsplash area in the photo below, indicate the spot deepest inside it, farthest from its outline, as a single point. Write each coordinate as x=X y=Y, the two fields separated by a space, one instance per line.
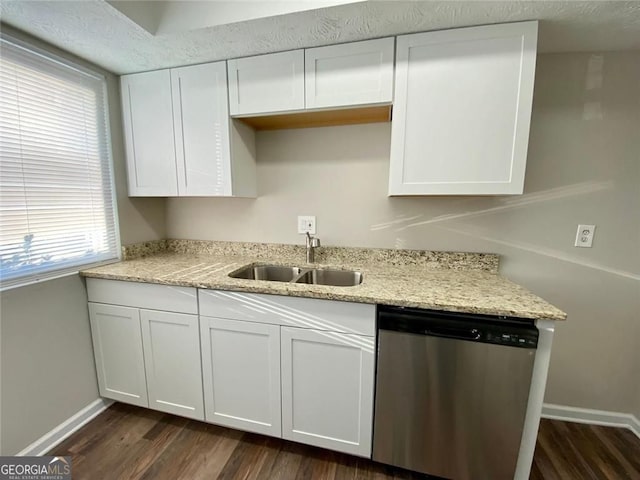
x=486 y=262
x=143 y=249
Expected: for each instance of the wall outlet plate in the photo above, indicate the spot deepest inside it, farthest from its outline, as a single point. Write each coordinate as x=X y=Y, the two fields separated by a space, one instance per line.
x=584 y=235
x=307 y=223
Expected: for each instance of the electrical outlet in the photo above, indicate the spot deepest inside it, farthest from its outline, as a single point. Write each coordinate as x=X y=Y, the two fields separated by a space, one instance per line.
x=584 y=236
x=307 y=223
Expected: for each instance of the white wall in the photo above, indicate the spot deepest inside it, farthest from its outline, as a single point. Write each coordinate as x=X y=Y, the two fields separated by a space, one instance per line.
x=170 y=17
x=180 y=17
x=583 y=167
x=47 y=371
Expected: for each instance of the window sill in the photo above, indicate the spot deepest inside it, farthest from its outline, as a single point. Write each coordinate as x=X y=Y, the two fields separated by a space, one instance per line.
x=32 y=280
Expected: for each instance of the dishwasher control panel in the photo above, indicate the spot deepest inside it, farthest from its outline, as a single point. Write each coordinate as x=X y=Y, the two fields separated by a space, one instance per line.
x=498 y=330
x=513 y=339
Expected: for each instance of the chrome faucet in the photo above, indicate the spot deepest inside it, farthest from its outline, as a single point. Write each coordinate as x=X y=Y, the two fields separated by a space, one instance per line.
x=312 y=244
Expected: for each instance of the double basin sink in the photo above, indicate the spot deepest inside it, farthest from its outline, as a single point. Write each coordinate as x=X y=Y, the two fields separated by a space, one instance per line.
x=311 y=276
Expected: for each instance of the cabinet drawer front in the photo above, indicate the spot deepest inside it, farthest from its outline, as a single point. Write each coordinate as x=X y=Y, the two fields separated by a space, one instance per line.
x=117 y=346
x=172 y=360
x=143 y=295
x=349 y=74
x=327 y=389
x=241 y=372
x=266 y=83
x=313 y=313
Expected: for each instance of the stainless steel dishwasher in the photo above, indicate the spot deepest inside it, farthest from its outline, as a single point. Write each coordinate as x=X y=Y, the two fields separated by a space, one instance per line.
x=452 y=392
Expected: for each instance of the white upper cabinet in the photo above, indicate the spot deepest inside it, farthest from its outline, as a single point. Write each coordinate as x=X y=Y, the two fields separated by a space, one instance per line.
x=349 y=74
x=148 y=131
x=201 y=118
x=266 y=83
x=180 y=139
x=462 y=110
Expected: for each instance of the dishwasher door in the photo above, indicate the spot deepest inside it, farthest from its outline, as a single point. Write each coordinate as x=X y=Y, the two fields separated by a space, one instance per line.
x=451 y=407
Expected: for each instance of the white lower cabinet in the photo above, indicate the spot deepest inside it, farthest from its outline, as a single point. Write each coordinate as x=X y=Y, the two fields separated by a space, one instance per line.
x=241 y=373
x=117 y=346
x=174 y=376
x=146 y=344
x=297 y=368
x=285 y=366
x=327 y=389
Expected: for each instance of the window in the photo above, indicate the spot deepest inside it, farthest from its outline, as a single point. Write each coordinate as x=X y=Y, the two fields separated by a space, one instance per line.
x=57 y=208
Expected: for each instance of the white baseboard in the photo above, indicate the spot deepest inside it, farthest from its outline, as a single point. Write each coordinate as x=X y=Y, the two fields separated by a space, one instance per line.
x=549 y=410
x=66 y=428
x=592 y=417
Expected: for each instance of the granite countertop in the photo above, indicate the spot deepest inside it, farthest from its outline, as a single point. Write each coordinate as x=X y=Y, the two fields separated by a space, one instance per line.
x=436 y=280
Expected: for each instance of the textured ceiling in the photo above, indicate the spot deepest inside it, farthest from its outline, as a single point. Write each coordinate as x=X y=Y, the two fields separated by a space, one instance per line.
x=96 y=31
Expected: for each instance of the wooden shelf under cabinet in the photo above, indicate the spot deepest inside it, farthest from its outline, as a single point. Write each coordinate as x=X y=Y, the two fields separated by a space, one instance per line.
x=321 y=118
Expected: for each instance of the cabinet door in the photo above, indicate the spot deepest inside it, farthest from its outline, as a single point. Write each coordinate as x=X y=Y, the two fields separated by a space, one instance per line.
x=327 y=389
x=462 y=110
x=241 y=366
x=147 y=115
x=201 y=118
x=349 y=74
x=117 y=346
x=172 y=358
x=267 y=83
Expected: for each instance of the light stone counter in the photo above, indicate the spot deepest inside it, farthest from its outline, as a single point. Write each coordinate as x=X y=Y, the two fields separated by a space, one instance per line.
x=436 y=280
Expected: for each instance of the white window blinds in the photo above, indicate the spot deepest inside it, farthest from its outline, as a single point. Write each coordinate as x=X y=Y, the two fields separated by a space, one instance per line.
x=57 y=207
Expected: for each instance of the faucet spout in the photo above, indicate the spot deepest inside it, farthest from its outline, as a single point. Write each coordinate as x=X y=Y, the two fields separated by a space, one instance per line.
x=312 y=243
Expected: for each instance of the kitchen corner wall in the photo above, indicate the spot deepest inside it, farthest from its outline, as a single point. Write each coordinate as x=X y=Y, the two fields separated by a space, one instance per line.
x=583 y=167
x=46 y=359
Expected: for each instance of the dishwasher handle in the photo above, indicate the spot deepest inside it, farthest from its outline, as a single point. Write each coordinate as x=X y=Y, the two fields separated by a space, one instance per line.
x=448 y=332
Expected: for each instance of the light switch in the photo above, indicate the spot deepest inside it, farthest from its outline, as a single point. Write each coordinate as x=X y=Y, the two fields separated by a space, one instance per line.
x=584 y=235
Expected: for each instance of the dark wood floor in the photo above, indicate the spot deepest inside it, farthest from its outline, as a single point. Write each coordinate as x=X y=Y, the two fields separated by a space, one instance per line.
x=127 y=442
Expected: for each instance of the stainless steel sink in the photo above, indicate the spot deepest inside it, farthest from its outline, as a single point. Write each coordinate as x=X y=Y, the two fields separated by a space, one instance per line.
x=336 y=278
x=311 y=276
x=274 y=273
